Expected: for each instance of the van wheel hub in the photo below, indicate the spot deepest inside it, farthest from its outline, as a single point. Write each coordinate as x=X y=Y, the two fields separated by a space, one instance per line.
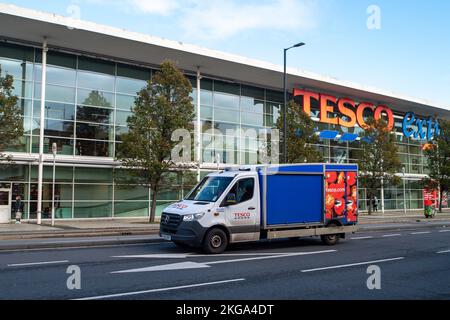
x=216 y=241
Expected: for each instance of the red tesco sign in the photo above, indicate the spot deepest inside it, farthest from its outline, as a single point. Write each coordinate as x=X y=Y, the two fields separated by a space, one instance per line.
x=353 y=113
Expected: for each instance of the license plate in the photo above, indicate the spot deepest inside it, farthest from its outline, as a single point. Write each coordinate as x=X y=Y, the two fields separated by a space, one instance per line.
x=166 y=237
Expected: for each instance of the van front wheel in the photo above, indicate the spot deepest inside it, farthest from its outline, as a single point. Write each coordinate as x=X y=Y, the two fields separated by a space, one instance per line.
x=215 y=241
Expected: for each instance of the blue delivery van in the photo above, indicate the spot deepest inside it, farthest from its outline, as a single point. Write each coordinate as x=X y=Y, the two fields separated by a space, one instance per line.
x=254 y=203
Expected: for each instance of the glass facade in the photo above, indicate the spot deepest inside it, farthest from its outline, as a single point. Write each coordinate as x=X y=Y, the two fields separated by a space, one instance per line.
x=87 y=105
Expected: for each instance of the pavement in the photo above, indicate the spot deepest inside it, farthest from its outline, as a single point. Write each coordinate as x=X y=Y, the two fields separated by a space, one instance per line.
x=70 y=233
x=371 y=265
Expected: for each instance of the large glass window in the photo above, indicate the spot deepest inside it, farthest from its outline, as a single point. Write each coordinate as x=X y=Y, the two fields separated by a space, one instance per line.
x=250 y=104
x=91 y=209
x=55 y=110
x=20 y=70
x=125 y=102
x=58 y=128
x=121 y=117
x=131 y=193
x=93 y=192
x=93 y=175
x=56 y=75
x=95 y=98
x=131 y=209
x=55 y=93
x=130 y=86
x=93 y=148
x=226 y=100
x=93 y=114
x=95 y=81
x=94 y=131
x=226 y=115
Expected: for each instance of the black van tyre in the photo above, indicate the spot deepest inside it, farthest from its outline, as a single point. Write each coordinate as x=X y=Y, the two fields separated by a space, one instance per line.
x=215 y=242
x=330 y=239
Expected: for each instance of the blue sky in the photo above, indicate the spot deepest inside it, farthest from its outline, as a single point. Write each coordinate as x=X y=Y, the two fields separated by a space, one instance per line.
x=406 y=49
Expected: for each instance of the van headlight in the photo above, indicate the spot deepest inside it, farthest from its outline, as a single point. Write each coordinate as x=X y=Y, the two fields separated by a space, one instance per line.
x=194 y=216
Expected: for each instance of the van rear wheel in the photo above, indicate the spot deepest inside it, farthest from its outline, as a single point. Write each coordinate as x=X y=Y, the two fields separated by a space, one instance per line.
x=215 y=242
x=330 y=239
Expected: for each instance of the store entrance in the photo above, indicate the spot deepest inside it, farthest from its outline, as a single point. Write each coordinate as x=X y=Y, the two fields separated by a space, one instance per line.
x=5 y=205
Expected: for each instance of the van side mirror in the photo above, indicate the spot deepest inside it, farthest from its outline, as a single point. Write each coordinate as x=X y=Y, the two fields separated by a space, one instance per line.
x=230 y=199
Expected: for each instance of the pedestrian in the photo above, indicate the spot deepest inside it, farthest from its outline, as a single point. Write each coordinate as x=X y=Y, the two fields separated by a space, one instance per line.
x=375 y=204
x=18 y=208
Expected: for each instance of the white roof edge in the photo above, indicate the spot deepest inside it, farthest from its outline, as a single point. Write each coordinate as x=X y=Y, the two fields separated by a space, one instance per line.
x=189 y=48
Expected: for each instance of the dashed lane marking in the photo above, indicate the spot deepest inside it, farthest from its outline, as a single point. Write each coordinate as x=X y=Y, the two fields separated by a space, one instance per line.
x=117 y=295
x=353 y=264
x=36 y=263
x=361 y=238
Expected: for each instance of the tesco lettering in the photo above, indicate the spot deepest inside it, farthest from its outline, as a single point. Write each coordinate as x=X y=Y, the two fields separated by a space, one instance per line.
x=353 y=113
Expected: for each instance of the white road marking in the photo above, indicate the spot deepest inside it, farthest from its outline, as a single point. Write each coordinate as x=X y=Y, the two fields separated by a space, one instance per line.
x=444 y=231
x=194 y=265
x=193 y=255
x=445 y=251
x=160 y=290
x=391 y=235
x=36 y=263
x=166 y=267
x=352 y=264
x=272 y=257
x=156 y=256
x=361 y=238
x=423 y=232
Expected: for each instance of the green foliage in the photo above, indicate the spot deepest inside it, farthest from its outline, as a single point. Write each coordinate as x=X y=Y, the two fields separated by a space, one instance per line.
x=163 y=106
x=11 y=124
x=300 y=135
x=378 y=159
x=438 y=156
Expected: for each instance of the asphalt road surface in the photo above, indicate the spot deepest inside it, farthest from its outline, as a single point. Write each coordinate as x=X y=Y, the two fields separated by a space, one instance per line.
x=412 y=265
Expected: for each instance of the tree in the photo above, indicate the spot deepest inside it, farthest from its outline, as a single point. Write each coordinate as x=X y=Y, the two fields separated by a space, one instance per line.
x=300 y=135
x=162 y=107
x=11 y=124
x=378 y=159
x=438 y=156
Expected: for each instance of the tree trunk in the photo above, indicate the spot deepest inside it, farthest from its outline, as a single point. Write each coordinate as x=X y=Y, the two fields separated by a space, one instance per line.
x=441 y=194
x=153 y=207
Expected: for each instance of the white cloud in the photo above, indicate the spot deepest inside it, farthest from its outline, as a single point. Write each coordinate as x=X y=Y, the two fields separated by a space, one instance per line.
x=162 y=7
x=219 y=19
x=158 y=7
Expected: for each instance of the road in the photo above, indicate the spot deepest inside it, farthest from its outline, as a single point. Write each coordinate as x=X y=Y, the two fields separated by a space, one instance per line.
x=413 y=265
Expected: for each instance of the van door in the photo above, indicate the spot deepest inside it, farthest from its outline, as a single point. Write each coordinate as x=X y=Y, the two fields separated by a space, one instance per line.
x=241 y=210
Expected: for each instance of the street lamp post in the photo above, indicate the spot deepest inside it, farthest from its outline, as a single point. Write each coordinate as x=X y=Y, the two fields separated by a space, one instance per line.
x=285 y=99
x=54 y=150
x=404 y=190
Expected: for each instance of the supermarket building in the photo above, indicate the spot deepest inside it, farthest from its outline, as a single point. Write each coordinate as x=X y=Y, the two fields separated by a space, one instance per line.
x=93 y=73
